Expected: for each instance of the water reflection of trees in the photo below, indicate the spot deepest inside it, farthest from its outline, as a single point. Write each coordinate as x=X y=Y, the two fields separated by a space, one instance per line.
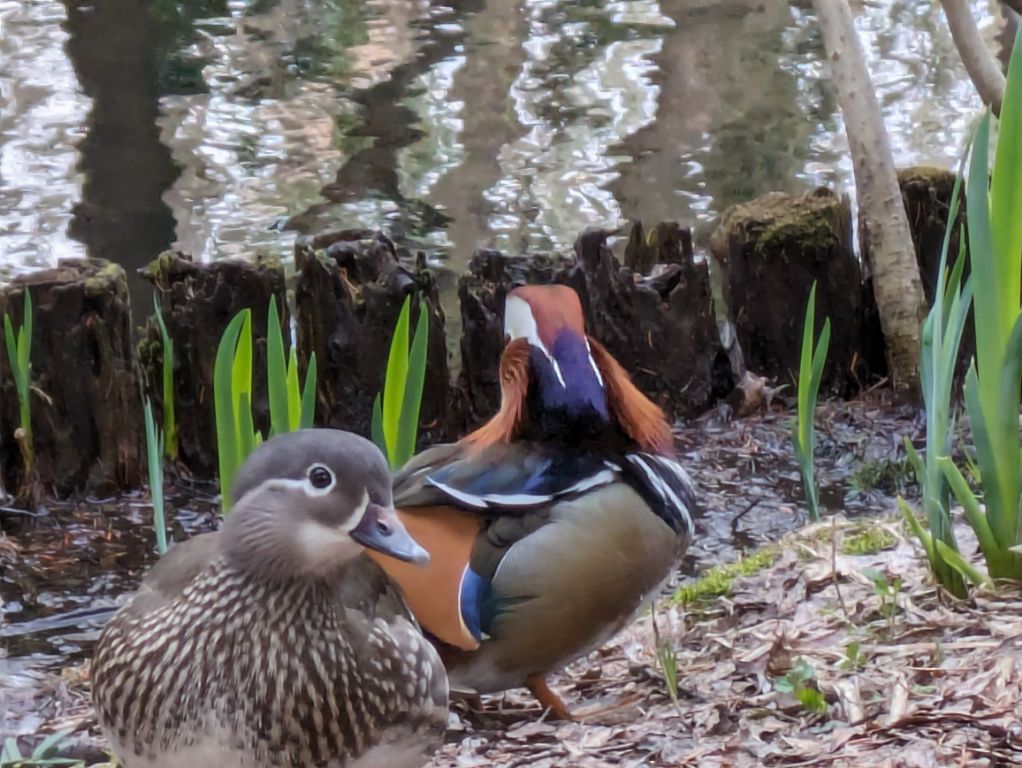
x=730 y=122
x=113 y=46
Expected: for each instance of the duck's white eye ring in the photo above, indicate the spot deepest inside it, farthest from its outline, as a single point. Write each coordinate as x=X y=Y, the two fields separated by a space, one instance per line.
x=321 y=477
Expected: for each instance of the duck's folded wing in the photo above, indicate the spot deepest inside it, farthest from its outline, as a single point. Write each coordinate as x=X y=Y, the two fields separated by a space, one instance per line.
x=666 y=487
x=467 y=507
x=175 y=570
x=503 y=478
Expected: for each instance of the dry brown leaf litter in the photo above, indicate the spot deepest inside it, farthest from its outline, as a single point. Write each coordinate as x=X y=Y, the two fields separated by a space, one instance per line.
x=932 y=683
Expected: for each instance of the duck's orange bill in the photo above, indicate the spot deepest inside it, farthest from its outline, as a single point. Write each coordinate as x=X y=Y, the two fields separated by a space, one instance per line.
x=433 y=591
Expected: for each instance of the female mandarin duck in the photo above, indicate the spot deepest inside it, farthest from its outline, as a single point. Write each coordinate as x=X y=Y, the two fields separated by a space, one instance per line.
x=550 y=526
x=273 y=643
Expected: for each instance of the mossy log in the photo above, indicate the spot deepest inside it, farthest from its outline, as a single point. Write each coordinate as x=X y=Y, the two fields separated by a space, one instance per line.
x=349 y=293
x=769 y=251
x=198 y=301
x=86 y=415
x=660 y=328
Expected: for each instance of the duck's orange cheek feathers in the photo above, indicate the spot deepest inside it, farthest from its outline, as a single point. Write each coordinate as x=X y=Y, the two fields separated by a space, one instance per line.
x=433 y=591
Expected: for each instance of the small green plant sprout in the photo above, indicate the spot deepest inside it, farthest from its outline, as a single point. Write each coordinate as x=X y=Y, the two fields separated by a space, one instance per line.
x=667 y=660
x=809 y=376
x=395 y=423
x=854 y=657
x=236 y=436
x=19 y=353
x=11 y=757
x=154 y=452
x=888 y=590
x=169 y=419
x=800 y=682
x=291 y=408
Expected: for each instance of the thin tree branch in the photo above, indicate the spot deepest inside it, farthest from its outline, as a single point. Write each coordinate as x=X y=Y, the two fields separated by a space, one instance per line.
x=979 y=62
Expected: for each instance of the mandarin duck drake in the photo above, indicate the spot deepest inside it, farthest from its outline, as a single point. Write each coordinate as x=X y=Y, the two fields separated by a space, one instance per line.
x=274 y=641
x=552 y=525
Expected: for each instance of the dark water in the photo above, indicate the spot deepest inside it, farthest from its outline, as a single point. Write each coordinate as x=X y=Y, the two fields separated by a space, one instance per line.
x=227 y=128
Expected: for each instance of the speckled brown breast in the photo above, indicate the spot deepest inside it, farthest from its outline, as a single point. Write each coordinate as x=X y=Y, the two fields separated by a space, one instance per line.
x=282 y=674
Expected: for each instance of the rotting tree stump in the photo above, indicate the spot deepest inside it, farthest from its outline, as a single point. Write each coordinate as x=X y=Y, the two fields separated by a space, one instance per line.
x=926 y=193
x=769 y=251
x=349 y=293
x=666 y=243
x=660 y=328
x=86 y=415
x=198 y=301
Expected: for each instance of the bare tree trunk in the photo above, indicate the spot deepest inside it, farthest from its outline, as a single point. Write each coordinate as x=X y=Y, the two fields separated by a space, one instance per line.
x=886 y=237
x=888 y=240
x=979 y=62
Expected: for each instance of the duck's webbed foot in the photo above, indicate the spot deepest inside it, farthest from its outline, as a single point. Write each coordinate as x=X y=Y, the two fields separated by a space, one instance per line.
x=537 y=685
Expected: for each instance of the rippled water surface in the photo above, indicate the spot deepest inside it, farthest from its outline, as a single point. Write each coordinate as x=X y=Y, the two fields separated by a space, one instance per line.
x=227 y=128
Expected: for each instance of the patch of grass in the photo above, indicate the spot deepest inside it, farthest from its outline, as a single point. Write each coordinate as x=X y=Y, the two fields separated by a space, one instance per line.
x=718 y=581
x=884 y=474
x=870 y=541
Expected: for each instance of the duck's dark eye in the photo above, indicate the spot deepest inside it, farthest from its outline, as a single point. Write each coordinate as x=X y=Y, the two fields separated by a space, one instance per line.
x=320 y=477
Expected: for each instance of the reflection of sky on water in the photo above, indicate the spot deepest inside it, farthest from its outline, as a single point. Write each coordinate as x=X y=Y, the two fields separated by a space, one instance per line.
x=523 y=122
x=41 y=114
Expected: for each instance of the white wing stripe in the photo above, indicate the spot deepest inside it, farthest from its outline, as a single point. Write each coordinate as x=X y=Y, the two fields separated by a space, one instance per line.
x=665 y=491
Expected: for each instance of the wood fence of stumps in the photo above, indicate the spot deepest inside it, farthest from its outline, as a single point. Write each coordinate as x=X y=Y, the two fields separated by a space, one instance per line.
x=655 y=312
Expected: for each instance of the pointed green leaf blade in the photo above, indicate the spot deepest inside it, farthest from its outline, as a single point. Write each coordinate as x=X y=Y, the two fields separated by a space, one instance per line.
x=409 y=424
x=396 y=379
x=276 y=372
x=309 y=395
x=294 y=393
x=377 y=427
x=224 y=408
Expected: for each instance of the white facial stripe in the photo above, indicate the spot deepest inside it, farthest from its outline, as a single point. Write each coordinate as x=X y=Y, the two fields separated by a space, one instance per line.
x=519 y=323
x=357 y=514
x=592 y=362
x=322 y=545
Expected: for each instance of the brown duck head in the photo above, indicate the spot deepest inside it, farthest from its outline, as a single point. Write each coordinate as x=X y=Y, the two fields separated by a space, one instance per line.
x=558 y=382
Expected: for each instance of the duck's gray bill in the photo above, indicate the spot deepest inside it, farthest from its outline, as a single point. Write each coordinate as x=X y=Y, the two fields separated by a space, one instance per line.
x=380 y=529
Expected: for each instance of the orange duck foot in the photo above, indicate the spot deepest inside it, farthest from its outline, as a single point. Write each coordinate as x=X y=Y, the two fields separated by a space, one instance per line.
x=537 y=685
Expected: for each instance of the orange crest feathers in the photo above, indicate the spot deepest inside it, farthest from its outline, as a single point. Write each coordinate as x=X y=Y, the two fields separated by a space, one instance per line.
x=640 y=418
x=553 y=308
x=514 y=385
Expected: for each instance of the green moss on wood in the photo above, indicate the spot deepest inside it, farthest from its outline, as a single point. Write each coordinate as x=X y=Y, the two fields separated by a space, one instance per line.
x=775 y=222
